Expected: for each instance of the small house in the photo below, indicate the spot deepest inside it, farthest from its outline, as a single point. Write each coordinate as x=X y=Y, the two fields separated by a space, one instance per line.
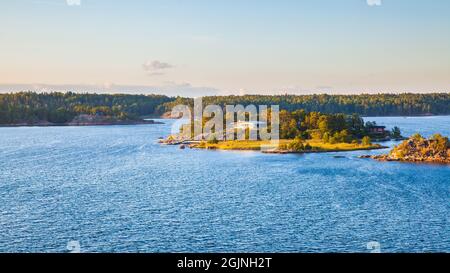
x=377 y=129
x=252 y=125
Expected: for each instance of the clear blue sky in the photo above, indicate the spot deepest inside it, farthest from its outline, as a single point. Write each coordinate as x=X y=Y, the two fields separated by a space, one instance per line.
x=198 y=47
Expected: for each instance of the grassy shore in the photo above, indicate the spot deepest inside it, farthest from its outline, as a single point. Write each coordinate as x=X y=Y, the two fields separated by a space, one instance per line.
x=316 y=146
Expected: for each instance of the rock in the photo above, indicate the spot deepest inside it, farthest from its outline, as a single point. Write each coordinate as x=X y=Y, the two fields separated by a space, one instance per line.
x=418 y=149
x=182 y=146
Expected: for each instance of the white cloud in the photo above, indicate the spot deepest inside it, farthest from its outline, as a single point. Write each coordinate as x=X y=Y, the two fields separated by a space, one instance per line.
x=374 y=2
x=156 y=68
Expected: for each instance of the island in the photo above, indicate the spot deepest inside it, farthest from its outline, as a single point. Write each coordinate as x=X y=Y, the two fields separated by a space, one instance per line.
x=419 y=149
x=299 y=132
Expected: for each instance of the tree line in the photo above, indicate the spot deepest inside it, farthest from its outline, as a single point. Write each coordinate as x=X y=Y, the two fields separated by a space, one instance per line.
x=407 y=104
x=330 y=128
x=30 y=107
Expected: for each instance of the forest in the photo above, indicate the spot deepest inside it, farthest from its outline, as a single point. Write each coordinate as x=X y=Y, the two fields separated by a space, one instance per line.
x=407 y=104
x=330 y=128
x=31 y=107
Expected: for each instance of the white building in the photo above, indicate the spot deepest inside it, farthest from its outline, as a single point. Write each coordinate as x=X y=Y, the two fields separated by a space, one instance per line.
x=252 y=125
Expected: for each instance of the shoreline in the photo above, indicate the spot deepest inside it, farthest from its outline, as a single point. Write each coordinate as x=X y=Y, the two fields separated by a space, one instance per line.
x=407 y=116
x=80 y=124
x=316 y=147
x=385 y=158
x=326 y=151
x=167 y=116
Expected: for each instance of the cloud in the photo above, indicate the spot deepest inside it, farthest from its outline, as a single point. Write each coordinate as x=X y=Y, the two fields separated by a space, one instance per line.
x=156 y=68
x=374 y=2
x=168 y=88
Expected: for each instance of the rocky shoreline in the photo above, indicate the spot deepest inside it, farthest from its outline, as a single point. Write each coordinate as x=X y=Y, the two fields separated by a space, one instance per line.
x=323 y=151
x=418 y=149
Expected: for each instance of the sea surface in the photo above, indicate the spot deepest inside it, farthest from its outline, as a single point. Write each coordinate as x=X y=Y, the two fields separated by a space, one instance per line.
x=115 y=189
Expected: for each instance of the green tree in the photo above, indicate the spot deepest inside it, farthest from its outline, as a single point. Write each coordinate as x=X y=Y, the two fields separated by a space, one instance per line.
x=396 y=133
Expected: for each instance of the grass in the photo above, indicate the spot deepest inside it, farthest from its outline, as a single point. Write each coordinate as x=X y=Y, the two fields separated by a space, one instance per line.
x=317 y=145
x=243 y=145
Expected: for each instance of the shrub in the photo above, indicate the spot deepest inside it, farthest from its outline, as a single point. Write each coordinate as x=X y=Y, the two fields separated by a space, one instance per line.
x=442 y=143
x=296 y=144
x=396 y=133
x=417 y=137
x=366 y=141
x=283 y=147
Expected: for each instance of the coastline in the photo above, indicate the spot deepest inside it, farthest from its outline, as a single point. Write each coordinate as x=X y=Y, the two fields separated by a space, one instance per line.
x=386 y=158
x=316 y=147
x=81 y=124
x=380 y=147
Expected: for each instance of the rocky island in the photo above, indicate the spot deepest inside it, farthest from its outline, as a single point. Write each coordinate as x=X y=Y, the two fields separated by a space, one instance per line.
x=419 y=149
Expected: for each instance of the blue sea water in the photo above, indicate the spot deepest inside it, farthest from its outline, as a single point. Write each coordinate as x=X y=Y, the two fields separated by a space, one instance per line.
x=115 y=189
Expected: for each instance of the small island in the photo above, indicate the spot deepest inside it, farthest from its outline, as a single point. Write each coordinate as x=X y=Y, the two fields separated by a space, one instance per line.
x=300 y=132
x=419 y=149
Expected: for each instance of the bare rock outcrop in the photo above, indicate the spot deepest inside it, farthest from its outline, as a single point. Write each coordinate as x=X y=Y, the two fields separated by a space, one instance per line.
x=419 y=149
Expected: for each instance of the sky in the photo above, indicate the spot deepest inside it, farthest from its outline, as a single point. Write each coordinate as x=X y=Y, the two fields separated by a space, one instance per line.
x=222 y=47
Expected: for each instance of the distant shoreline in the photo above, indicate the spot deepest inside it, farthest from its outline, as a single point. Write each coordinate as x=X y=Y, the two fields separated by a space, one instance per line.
x=409 y=116
x=80 y=124
x=167 y=116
